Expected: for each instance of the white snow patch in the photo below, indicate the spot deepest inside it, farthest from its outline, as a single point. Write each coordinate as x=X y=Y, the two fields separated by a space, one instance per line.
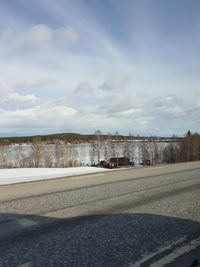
x=12 y=176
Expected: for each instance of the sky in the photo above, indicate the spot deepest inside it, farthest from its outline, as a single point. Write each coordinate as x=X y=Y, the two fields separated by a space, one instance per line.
x=131 y=66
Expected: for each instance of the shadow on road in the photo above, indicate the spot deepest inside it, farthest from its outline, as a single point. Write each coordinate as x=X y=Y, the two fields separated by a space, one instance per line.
x=98 y=240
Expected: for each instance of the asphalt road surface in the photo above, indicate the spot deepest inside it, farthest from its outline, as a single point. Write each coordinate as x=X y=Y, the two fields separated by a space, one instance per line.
x=132 y=217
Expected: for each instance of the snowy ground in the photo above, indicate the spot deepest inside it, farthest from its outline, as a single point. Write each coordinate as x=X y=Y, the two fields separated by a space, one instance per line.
x=12 y=176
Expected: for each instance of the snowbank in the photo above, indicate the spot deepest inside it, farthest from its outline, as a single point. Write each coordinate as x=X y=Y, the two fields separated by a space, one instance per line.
x=12 y=176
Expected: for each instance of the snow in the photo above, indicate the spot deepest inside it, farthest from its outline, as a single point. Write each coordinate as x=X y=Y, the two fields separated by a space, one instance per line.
x=21 y=175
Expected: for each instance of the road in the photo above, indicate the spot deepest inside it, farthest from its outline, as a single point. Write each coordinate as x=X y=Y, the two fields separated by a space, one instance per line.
x=129 y=217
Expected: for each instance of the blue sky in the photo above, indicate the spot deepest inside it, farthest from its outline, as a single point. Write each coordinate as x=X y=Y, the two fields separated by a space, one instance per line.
x=115 y=65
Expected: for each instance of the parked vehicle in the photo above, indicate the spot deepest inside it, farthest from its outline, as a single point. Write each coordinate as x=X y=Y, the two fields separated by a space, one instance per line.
x=116 y=162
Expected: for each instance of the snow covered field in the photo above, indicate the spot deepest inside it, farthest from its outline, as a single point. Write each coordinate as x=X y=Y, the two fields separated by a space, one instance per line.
x=12 y=176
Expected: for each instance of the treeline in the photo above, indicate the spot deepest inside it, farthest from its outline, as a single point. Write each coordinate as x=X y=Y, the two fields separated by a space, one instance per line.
x=151 y=150
x=76 y=138
x=188 y=149
x=137 y=152
x=51 y=138
x=38 y=154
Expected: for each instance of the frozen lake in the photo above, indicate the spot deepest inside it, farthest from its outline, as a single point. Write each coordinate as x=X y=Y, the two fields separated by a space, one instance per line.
x=73 y=155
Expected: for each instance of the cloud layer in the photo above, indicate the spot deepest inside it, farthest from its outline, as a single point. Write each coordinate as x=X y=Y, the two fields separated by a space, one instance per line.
x=72 y=68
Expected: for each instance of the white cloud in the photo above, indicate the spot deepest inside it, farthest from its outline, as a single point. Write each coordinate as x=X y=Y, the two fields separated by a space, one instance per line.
x=38 y=38
x=65 y=36
x=3 y=89
x=39 y=82
x=15 y=97
x=131 y=111
x=84 y=88
x=115 y=83
x=175 y=112
x=173 y=106
x=167 y=100
x=47 y=116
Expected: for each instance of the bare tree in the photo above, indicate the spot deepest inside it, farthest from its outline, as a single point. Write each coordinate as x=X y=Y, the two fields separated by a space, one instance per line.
x=132 y=151
x=37 y=151
x=3 y=157
x=96 y=147
x=113 y=149
x=171 y=153
x=48 y=155
x=126 y=149
x=109 y=147
x=18 y=157
x=157 y=153
x=145 y=155
x=92 y=153
x=59 y=153
x=106 y=150
x=70 y=156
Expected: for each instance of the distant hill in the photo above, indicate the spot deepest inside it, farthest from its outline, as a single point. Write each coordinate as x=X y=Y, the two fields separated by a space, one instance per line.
x=79 y=138
x=67 y=137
